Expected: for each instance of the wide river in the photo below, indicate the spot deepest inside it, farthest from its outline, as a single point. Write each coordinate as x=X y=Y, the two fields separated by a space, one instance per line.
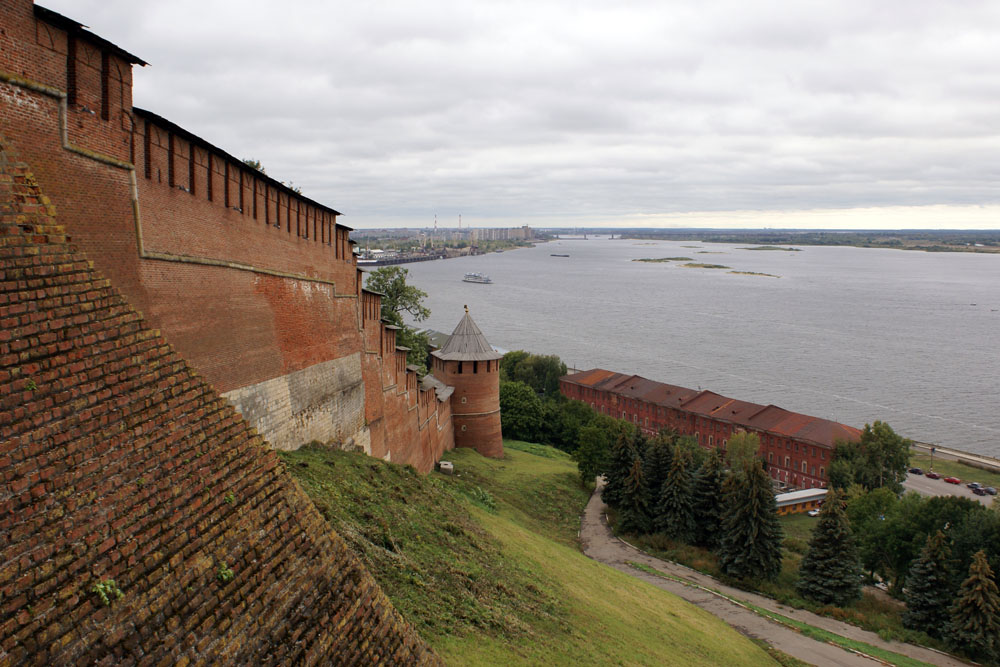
x=849 y=334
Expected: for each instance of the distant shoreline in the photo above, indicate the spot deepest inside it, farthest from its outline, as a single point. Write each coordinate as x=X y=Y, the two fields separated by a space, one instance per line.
x=985 y=242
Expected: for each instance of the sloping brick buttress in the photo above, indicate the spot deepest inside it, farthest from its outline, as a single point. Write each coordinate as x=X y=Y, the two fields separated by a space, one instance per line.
x=119 y=464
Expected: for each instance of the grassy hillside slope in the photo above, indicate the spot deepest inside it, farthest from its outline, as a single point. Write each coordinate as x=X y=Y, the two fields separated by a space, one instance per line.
x=486 y=565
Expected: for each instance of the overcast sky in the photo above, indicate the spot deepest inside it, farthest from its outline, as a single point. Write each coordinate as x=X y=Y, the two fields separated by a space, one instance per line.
x=840 y=114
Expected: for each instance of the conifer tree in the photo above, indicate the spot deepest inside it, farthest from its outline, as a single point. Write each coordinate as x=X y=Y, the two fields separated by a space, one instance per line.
x=929 y=589
x=640 y=443
x=975 y=616
x=750 y=544
x=831 y=570
x=656 y=465
x=622 y=457
x=708 y=501
x=634 y=510
x=675 y=510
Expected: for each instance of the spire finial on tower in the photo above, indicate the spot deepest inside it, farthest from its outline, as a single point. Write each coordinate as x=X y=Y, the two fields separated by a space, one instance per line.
x=466 y=309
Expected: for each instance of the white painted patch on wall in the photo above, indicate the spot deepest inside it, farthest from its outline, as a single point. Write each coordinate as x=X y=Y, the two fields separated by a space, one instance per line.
x=325 y=402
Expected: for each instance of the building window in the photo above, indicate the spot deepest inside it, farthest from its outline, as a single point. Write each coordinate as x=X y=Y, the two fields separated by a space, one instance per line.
x=464 y=400
x=822 y=472
x=460 y=367
x=787 y=462
x=803 y=466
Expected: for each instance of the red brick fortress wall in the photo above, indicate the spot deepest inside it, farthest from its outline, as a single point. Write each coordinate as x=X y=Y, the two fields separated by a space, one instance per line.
x=254 y=284
x=409 y=420
x=125 y=475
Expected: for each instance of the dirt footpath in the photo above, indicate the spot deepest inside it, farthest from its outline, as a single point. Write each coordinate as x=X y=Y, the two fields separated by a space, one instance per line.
x=599 y=544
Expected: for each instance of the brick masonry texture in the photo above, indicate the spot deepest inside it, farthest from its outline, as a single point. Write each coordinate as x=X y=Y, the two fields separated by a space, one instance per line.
x=475 y=403
x=120 y=463
x=253 y=284
x=324 y=402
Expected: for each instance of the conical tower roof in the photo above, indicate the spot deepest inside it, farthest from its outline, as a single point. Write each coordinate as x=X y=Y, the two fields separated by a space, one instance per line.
x=467 y=343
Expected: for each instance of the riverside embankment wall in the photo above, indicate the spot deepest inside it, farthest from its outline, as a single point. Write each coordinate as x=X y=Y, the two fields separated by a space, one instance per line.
x=254 y=284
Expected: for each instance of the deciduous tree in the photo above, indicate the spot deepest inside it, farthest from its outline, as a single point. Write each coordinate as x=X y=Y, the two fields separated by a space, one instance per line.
x=593 y=452
x=831 y=572
x=879 y=459
x=520 y=411
x=397 y=298
x=741 y=448
x=540 y=372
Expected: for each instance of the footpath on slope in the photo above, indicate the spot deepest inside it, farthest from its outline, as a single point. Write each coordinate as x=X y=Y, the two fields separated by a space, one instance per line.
x=600 y=544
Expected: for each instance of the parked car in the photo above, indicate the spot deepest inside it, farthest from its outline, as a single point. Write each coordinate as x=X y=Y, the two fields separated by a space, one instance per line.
x=813 y=512
x=933 y=475
x=990 y=490
x=916 y=471
x=953 y=480
x=973 y=485
x=979 y=491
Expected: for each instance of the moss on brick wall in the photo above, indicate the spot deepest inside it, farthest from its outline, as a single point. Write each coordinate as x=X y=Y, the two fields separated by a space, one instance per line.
x=142 y=519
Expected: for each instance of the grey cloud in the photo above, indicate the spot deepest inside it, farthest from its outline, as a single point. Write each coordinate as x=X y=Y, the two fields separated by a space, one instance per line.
x=394 y=111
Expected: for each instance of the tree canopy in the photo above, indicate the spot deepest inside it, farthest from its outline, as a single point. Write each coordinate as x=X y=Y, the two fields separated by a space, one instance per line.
x=398 y=297
x=750 y=544
x=975 y=615
x=928 y=588
x=540 y=372
x=520 y=411
x=830 y=573
x=880 y=458
x=741 y=448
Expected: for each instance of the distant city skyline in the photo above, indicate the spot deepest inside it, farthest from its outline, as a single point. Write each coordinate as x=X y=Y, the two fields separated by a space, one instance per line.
x=850 y=115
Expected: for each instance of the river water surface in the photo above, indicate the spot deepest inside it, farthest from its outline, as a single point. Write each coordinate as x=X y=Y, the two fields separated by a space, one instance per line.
x=849 y=334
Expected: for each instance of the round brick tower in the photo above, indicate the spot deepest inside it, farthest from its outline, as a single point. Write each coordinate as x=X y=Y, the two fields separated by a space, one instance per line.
x=468 y=363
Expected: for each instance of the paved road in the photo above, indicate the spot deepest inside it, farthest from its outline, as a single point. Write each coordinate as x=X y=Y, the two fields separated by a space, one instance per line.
x=601 y=545
x=939 y=487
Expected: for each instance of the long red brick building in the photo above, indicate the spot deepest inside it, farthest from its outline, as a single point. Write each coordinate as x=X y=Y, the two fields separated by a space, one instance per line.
x=797 y=448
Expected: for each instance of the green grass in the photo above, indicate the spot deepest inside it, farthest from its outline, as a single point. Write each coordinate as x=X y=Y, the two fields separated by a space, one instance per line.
x=871 y=612
x=852 y=644
x=507 y=585
x=809 y=630
x=949 y=468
